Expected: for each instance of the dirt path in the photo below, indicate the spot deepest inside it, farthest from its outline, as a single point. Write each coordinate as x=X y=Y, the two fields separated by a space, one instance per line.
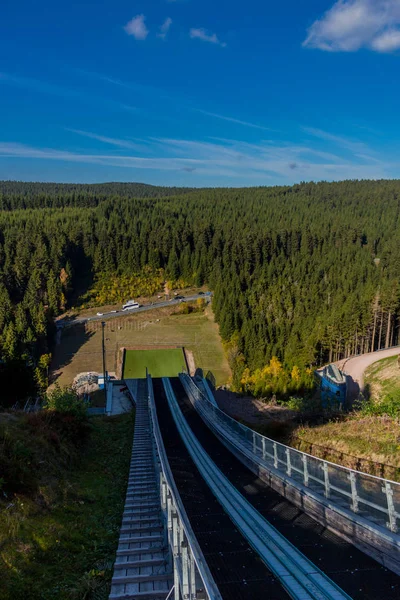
x=190 y=361
x=355 y=367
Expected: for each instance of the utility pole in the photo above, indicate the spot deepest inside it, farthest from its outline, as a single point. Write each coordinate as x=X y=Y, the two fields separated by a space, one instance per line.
x=103 y=324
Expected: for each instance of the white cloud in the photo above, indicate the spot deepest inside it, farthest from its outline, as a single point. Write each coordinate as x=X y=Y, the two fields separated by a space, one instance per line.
x=137 y=27
x=231 y=119
x=353 y=24
x=227 y=161
x=201 y=34
x=165 y=28
x=387 y=42
x=107 y=140
x=352 y=145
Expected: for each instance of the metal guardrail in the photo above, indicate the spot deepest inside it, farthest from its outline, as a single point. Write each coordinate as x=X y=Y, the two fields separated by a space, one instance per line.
x=373 y=498
x=300 y=577
x=191 y=572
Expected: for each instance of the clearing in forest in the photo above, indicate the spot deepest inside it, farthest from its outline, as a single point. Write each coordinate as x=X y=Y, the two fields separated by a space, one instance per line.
x=80 y=346
x=159 y=363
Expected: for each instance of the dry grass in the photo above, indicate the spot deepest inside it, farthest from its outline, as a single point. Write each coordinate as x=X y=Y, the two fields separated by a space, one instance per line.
x=80 y=348
x=371 y=438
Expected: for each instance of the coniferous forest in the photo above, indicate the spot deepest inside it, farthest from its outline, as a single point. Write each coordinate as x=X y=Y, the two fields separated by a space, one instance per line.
x=307 y=273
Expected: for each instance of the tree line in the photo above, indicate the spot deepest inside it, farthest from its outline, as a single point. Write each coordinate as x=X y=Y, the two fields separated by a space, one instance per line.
x=305 y=273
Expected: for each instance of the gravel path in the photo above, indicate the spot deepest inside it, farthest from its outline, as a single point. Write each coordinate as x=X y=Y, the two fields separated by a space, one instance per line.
x=355 y=367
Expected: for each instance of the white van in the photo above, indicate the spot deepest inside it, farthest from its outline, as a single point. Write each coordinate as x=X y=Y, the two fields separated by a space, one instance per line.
x=130 y=305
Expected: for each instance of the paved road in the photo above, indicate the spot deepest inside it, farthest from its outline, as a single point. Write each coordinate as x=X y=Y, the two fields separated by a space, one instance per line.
x=120 y=313
x=356 y=366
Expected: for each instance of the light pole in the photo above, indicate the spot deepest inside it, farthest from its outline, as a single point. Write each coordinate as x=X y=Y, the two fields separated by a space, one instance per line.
x=103 y=324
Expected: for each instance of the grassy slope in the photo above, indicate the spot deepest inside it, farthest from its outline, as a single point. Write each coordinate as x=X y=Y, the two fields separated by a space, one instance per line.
x=383 y=378
x=80 y=350
x=366 y=442
x=63 y=546
x=160 y=363
x=372 y=438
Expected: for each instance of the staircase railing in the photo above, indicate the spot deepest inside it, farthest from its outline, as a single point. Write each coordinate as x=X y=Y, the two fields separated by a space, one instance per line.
x=192 y=577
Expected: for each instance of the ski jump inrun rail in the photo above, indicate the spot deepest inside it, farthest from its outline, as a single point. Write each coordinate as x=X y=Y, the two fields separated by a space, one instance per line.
x=278 y=568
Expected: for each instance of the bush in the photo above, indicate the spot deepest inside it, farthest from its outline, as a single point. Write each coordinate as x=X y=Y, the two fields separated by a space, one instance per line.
x=66 y=400
x=38 y=445
x=389 y=405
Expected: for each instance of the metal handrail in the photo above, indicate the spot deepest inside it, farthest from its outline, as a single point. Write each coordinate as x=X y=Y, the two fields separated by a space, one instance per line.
x=190 y=567
x=375 y=499
x=299 y=576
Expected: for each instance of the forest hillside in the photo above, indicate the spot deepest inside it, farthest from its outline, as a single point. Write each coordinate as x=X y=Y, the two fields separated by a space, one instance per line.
x=301 y=275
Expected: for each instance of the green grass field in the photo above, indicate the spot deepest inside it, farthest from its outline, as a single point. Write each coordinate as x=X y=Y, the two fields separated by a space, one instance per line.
x=160 y=363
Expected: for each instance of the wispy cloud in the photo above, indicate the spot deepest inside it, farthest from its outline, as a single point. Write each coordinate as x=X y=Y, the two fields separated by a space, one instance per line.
x=232 y=119
x=353 y=24
x=44 y=87
x=137 y=27
x=352 y=145
x=37 y=85
x=165 y=27
x=201 y=34
x=226 y=160
x=108 y=140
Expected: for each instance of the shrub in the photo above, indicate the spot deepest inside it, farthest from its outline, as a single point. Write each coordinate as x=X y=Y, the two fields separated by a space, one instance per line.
x=389 y=405
x=38 y=445
x=66 y=400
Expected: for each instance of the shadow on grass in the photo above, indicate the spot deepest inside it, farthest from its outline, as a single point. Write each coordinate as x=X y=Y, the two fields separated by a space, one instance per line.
x=71 y=341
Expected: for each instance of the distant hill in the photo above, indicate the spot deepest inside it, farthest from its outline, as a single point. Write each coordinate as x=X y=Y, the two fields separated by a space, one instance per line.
x=16 y=195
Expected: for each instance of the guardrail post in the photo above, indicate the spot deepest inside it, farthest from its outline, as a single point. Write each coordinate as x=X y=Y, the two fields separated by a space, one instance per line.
x=192 y=577
x=168 y=532
x=354 y=495
x=275 y=455
x=185 y=571
x=392 y=524
x=169 y=511
x=163 y=492
x=263 y=447
x=289 y=464
x=177 y=595
x=325 y=469
x=254 y=443
x=305 y=467
x=175 y=533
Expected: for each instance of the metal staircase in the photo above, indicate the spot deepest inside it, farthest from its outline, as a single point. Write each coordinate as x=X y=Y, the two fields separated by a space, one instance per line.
x=143 y=567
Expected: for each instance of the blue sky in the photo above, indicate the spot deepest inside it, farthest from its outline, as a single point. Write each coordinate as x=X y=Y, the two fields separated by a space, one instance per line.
x=199 y=93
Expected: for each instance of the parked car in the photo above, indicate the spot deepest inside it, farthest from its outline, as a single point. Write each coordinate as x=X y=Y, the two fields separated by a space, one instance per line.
x=201 y=293
x=179 y=297
x=99 y=314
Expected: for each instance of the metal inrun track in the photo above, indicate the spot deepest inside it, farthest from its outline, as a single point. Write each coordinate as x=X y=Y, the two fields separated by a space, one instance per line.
x=298 y=575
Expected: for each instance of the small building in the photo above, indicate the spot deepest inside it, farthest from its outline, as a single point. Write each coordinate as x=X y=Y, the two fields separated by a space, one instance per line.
x=333 y=385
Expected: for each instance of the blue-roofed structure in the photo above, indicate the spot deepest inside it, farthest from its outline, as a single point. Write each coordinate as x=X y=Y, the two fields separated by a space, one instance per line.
x=333 y=384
